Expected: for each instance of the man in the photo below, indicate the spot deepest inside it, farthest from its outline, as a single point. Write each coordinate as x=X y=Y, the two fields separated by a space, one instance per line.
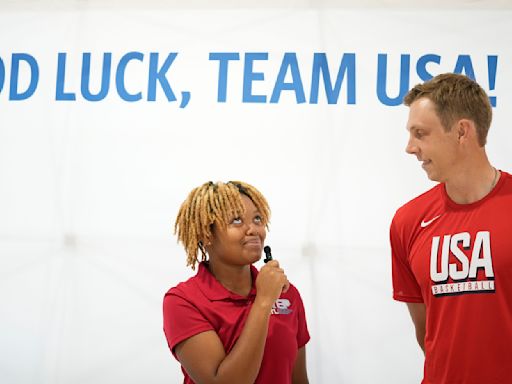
x=452 y=245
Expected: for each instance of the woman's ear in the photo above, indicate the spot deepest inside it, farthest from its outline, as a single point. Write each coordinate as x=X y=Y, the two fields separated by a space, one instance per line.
x=205 y=242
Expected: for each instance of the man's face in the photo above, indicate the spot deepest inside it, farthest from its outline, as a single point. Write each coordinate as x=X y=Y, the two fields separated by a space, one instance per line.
x=429 y=142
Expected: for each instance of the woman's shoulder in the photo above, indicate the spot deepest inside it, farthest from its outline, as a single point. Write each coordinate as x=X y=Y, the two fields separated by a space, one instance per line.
x=184 y=289
x=292 y=292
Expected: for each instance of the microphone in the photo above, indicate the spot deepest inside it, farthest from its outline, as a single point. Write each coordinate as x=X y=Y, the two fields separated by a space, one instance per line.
x=268 y=255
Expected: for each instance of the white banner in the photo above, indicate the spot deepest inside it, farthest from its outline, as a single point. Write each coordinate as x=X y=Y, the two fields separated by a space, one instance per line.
x=110 y=116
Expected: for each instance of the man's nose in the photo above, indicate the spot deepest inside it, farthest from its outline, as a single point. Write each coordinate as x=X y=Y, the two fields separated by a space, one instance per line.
x=411 y=147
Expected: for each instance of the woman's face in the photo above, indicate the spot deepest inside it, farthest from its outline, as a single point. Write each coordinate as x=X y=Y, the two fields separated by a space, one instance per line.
x=241 y=241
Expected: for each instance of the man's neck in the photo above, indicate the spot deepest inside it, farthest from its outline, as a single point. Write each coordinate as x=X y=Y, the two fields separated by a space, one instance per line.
x=473 y=182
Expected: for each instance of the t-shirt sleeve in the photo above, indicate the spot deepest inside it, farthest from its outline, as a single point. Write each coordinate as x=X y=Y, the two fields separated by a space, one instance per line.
x=302 y=328
x=181 y=320
x=405 y=285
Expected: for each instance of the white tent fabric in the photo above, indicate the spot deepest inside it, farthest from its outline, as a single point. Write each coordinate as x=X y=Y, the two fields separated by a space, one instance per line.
x=89 y=189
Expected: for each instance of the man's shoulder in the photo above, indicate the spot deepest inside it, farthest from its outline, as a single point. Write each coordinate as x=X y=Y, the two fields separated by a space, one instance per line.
x=421 y=204
x=507 y=179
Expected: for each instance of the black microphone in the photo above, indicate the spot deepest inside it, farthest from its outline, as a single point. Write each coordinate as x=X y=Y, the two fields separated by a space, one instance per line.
x=268 y=255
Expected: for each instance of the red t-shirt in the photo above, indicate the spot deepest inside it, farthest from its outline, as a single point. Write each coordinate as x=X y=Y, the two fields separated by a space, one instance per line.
x=201 y=304
x=457 y=260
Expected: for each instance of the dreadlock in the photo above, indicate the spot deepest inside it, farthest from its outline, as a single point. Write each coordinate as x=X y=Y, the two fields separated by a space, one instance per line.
x=213 y=204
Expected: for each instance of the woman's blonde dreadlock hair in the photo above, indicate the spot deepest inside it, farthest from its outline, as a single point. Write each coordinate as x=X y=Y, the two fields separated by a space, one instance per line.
x=213 y=204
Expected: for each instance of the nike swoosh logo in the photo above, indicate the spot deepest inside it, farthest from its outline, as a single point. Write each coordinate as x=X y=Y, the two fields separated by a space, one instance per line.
x=427 y=223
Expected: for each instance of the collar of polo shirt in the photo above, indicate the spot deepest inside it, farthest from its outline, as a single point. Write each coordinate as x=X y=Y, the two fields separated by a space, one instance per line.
x=215 y=291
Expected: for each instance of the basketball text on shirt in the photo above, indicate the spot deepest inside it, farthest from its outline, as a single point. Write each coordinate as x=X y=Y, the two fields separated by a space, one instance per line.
x=453 y=272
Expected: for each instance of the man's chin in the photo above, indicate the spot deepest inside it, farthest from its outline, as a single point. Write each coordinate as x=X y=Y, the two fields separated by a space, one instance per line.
x=432 y=175
x=431 y=178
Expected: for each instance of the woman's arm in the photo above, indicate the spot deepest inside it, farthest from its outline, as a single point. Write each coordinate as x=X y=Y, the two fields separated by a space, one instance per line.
x=203 y=355
x=300 y=374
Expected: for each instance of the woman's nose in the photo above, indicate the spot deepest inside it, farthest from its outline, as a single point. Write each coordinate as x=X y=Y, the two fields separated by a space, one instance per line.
x=252 y=229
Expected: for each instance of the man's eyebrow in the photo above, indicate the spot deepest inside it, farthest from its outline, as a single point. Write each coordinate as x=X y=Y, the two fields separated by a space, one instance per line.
x=413 y=128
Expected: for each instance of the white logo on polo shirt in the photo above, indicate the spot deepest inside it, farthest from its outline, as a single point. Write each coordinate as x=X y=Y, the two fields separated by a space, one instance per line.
x=280 y=307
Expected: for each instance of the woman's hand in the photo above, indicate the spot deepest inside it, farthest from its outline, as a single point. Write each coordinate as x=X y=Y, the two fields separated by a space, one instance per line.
x=270 y=283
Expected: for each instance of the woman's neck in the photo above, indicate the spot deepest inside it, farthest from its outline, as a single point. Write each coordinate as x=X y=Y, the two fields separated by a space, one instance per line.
x=237 y=279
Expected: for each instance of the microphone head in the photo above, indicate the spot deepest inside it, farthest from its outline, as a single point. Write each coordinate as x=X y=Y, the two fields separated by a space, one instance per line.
x=268 y=255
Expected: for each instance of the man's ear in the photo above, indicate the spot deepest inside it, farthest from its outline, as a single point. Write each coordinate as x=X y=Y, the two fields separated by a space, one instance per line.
x=465 y=129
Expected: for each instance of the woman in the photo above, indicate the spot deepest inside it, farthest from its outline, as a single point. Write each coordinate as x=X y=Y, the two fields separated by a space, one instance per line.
x=230 y=323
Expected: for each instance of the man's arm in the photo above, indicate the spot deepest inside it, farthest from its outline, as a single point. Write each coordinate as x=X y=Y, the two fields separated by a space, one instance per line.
x=419 y=318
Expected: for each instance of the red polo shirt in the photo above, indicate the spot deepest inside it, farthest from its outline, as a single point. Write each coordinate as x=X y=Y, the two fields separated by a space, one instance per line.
x=202 y=304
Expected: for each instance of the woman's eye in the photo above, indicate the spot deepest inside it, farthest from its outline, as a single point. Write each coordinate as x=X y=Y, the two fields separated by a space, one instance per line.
x=258 y=219
x=236 y=220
